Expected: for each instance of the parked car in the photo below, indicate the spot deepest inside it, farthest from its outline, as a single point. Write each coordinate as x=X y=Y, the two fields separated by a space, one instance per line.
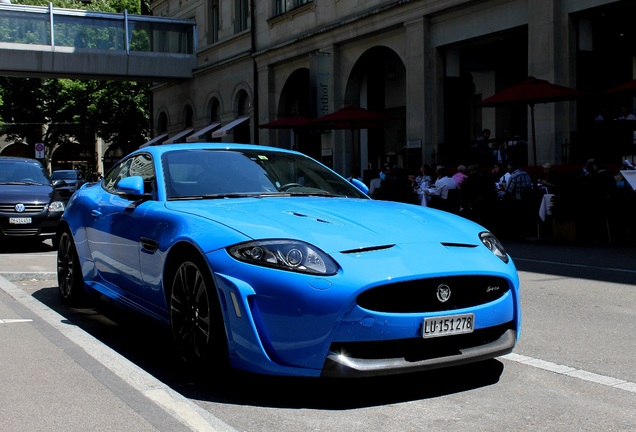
x=72 y=178
x=267 y=261
x=30 y=205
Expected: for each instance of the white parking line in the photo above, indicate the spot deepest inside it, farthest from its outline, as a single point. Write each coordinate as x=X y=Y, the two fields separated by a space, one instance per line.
x=11 y=321
x=561 y=264
x=183 y=409
x=572 y=372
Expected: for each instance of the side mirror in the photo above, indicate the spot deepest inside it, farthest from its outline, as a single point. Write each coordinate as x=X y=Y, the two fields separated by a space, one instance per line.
x=360 y=185
x=131 y=187
x=58 y=183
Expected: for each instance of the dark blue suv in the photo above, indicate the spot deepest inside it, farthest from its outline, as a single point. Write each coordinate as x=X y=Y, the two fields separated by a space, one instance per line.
x=30 y=206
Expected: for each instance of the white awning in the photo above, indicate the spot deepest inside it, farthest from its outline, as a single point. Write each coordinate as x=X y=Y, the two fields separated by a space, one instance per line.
x=177 y=138
x=228 y=127
x=156 y=140
x=201 y=132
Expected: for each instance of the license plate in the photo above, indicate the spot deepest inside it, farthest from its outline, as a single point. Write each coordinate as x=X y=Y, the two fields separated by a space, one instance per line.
x=448 y=325
x=19 y=221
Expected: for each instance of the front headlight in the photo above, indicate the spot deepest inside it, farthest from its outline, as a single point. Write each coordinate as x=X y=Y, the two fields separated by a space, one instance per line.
x=290 y=255
x=56 y=206
x=494 y=245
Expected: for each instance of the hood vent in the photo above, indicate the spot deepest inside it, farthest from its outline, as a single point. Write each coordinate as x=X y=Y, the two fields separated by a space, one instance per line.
x=459 y=245
x=367 y=249
x=308 y=216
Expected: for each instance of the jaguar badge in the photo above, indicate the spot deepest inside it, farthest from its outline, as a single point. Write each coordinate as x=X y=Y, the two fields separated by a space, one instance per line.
x=443 y=293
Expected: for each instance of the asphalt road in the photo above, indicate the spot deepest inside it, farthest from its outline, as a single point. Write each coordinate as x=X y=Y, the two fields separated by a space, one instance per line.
x=572 y=370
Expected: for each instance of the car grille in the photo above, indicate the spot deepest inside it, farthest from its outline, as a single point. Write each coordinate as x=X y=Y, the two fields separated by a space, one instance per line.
x=422 y=295
x=20 y=232
x=418 y=349
x=29 y=208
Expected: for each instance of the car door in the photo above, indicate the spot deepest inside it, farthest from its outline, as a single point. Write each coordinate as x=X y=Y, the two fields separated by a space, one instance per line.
x=117 y=226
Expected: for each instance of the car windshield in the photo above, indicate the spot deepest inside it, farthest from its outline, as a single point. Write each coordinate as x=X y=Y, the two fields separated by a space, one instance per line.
x=232 y=173
x=21 y=172
x=64 y=175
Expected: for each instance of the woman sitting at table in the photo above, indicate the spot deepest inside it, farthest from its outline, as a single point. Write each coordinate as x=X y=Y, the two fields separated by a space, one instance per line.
x=549 y=179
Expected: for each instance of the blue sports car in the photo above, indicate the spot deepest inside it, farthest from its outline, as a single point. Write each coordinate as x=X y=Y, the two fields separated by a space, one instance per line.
x=264 y=260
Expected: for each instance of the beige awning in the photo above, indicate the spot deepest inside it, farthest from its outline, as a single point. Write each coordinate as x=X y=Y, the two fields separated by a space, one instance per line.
x=201 y=132
x=228 y=127
x=156 y=140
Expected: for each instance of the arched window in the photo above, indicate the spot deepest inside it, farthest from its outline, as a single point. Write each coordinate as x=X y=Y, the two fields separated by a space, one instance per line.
x=188 y=117
x=162 y=123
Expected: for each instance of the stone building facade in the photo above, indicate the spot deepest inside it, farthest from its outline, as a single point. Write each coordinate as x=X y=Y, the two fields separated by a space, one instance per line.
x=425 y=63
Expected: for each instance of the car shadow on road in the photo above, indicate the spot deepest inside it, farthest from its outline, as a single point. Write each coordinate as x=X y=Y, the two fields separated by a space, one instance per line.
x=346 y=393
x=615 y=263
x=10 y=245
x=148 y=344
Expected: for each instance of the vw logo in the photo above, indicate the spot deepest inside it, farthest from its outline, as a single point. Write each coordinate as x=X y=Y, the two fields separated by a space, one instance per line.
x=19 y=207
x=443 y=293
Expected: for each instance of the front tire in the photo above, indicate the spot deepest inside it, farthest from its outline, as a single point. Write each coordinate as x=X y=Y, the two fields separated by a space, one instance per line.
x=70 y=281
x=196 y=318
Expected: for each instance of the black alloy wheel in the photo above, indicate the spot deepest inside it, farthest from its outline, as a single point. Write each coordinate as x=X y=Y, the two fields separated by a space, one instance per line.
x=70 y=281
x=195 y=317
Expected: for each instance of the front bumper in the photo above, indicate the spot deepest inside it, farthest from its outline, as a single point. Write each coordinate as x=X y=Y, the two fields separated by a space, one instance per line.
x=398 y=357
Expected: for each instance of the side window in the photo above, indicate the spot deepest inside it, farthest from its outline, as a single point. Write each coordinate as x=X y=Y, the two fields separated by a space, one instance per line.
x=138 y=165
x=117 y=173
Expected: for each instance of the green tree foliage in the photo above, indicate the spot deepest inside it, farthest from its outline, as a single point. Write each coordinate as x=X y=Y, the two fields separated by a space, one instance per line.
x=69 y=111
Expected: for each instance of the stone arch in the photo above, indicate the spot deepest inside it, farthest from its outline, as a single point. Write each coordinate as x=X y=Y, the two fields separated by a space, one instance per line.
x=295 y=99
x=162 y=122
x=242 y=107
x=214 y=108
x=295 y=95
x=377 y=82
x=187 y=116
x=20 y=149
x=242 y=103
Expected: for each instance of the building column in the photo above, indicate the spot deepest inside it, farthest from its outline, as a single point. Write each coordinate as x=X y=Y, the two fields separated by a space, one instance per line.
x=549 y=58
x=267 y=103
x=419 y=79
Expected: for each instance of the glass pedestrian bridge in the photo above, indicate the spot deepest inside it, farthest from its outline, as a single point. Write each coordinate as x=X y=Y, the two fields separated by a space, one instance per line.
x=40 y=41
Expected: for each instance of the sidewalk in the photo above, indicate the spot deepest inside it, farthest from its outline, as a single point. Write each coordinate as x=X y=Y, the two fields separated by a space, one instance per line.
x=55 y=376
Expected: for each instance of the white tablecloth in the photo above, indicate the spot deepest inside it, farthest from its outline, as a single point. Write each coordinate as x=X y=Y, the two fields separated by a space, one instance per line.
x=546 y=206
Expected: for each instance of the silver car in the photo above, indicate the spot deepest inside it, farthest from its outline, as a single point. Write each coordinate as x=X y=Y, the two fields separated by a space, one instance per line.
x=72 y=178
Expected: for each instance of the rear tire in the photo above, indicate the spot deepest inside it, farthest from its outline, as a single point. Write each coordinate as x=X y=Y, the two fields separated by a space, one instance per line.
x=69 y=273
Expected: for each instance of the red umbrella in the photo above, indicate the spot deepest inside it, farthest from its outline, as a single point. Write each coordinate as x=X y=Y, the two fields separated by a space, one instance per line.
x=529 y=92
x=352 y=117
x=628 y=87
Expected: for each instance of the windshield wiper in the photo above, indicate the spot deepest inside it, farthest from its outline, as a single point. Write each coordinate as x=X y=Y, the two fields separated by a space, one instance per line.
x=22 y=183
x=215 y=196
x=316 y=193
x=253 y=195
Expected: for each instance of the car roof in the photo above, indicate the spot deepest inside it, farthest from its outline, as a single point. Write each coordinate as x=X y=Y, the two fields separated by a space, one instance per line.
x=20 y=159
x=157 y=150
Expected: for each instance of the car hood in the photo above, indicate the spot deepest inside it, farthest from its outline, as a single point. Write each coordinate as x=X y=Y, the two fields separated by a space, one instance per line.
x=10 y=193
x=335 y=224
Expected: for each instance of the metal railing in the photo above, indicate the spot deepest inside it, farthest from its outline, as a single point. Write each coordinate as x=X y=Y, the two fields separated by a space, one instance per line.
x=79 y=29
